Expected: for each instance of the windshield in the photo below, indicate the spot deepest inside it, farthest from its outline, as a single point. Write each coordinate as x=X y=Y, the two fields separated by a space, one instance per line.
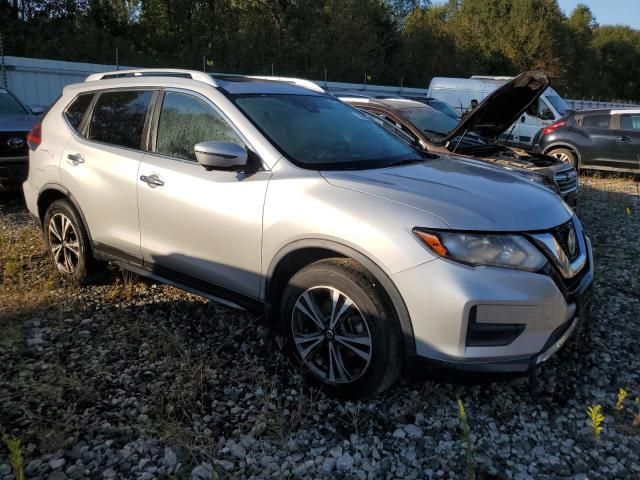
x=444 y=108
x=432 y=122
x=322 y=132
x=9 y=105
x=558 y=104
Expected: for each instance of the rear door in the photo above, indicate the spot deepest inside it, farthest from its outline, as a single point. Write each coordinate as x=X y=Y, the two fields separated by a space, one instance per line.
x=100 y=164
x=627 y=145
x=598 y=145
x=198 y=225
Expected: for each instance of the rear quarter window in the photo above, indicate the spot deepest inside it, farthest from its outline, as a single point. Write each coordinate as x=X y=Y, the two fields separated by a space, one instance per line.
x=118 y=118
x=596 y=121
x=76 y=110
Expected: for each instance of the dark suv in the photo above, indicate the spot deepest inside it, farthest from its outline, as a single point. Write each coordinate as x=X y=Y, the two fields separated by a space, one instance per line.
x=16 y=120
x=598 y=139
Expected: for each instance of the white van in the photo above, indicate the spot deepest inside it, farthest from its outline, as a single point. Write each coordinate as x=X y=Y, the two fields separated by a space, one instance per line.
x=458 y=92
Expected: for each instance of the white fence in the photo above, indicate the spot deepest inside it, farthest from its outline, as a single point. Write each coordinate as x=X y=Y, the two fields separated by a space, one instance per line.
x=40 y=82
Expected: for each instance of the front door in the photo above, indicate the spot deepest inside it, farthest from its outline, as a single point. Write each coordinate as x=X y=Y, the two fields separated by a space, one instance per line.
x=205 y=225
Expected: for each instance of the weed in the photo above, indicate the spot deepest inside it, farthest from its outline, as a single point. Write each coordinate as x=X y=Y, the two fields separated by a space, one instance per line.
x=15 y=456
x=636 y=420
x=596 y=419
x=622 y=395
x=469 y=467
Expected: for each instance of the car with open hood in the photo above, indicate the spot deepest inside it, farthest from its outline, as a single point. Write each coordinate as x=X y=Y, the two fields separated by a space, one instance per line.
x=479 y=133
x=274 y=197
x=16 y=120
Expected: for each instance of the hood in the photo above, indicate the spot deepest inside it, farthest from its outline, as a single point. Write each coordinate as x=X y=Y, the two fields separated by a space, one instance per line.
x=499 y=110
x=17 y=122
x=466 y=194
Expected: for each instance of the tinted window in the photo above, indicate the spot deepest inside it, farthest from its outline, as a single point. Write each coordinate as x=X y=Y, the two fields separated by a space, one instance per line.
x=9 y=105
x=185 y=121
x=558 y=103
x=75 y=111
x=432 y=122
x=324 y=133
x=118 y=118
x=597 y=121
x=630 y=122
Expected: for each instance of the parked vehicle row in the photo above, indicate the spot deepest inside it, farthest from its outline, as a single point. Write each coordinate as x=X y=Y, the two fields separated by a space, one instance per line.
x=478 y=133
x=368 y=253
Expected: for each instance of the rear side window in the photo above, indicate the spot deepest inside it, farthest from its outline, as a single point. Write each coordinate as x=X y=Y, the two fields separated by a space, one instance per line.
x=597 y=121
x=630 y=122
x=77 y=109
x=118 y=118
x=186 y=120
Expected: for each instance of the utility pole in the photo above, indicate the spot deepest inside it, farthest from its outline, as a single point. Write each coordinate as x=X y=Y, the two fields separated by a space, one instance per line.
x=117 y=60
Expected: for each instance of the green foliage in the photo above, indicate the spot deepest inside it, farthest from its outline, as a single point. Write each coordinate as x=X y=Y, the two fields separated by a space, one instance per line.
x=14 y=445
x=348 y=39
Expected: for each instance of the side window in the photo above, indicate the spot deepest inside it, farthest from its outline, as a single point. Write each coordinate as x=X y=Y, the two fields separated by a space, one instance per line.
x=185 y=120
x=596 y=121
x=630 y=122
x=118 y=118
x=76 y=110
x=544 y=112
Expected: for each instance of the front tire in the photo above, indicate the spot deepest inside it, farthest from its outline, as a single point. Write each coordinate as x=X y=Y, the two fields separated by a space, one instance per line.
x=565 y=155
x=67 y=242
x=341 y=328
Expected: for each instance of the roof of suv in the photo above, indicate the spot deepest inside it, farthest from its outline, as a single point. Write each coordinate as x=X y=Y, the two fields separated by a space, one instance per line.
x=231 y=84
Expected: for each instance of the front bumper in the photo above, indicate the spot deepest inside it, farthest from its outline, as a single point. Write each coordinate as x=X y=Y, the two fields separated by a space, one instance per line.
x=440 y=296
x=13 y=171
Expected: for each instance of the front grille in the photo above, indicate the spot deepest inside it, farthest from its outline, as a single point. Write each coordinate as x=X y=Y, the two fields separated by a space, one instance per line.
x=563 y=235
x=566 y=180
x=9 y=142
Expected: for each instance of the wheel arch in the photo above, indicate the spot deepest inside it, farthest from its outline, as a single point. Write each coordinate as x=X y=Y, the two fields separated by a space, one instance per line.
x=296 y=255
x=51 y=192
x=568 y=146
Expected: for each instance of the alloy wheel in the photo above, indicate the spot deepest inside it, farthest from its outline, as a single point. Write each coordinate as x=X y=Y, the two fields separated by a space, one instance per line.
x=64 y=243
x=331 y=335
x=563 y=157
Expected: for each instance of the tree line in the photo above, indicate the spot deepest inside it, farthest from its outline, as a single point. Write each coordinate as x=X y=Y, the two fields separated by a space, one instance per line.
x=380 y=41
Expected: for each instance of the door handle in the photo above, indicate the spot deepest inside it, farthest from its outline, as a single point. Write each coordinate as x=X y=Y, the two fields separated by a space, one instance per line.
x=624 y=139
x=153 y=180
x=75 y=158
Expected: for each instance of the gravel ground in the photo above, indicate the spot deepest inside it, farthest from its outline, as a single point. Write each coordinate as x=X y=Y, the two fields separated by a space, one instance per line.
x=129 y=379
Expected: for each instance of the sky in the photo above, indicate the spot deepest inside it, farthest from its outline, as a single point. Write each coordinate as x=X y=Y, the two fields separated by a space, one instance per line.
x=609 y=12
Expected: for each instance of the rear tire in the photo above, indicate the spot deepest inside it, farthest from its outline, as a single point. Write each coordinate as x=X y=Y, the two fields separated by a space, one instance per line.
x=565 y=155
x=68 y=243
x=341 y=328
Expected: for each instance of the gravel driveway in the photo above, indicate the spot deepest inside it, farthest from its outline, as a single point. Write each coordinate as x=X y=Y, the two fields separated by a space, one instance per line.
x=129 y=379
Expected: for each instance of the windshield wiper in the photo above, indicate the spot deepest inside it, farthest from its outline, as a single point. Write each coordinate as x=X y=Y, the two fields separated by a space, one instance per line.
x=406 y=161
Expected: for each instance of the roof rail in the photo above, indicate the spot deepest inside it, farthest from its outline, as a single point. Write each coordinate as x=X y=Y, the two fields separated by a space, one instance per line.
x=301 y=82
x=154 y=72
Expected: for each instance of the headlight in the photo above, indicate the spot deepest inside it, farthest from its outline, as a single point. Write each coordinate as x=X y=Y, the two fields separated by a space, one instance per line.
x=507 y=251
x=537 y=178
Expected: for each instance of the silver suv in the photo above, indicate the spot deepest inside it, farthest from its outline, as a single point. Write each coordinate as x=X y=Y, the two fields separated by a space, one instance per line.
x=273 y=195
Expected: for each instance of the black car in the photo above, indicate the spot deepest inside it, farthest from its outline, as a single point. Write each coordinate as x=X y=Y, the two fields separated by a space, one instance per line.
x=598 y=139
x=16 y=120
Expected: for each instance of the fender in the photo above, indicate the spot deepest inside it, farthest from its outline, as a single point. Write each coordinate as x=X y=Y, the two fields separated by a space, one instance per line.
x=346 y=251
x=563 y=145
x=76 y=205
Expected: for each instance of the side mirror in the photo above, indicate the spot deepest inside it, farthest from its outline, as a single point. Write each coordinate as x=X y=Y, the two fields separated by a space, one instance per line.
x=221 y=155
x=546 y=114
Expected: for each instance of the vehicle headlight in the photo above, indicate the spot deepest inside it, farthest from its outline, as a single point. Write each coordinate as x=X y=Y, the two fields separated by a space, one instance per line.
x=539 y=179
x=496 y=250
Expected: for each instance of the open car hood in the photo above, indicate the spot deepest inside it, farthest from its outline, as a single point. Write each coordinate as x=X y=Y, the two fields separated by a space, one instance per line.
x=500 y=109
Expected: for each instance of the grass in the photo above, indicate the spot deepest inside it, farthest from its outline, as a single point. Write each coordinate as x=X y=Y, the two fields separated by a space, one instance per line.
x=14 y=445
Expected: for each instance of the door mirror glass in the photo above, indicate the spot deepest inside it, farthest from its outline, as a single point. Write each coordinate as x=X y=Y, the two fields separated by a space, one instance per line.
x=221 y=155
